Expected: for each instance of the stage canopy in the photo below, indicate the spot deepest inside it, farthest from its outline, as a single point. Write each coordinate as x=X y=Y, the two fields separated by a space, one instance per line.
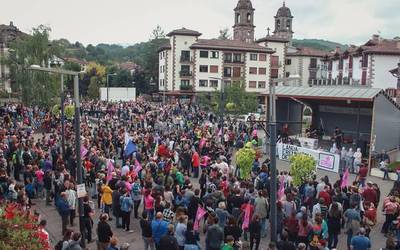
x=368 y=117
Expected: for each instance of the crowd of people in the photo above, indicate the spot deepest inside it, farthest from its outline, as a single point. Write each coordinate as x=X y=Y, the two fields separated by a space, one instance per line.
x=172 y=168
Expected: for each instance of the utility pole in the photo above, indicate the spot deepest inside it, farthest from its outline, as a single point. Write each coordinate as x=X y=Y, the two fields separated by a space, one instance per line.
x=108 y=88
x=78 y=154
x=62 y=118
x=77 y=136
x=221 y=110
x=272 y=131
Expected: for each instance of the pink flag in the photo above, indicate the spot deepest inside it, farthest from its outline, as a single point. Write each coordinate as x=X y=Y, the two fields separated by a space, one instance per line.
x=220 y=132
x=345 y=179
x=110 y=169
x=138 y=166
x=254 y=133
x=200 y=213
x=128 y=186
x=202 y=143
x=84 y=151
x=246 y=219
x=281 y=191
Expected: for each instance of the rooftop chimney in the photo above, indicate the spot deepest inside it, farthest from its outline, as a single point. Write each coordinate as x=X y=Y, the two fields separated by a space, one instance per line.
x=11 y=24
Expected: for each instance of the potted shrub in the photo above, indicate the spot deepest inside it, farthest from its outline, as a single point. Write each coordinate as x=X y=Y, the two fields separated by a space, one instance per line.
x=302 y=168
x=244 y=160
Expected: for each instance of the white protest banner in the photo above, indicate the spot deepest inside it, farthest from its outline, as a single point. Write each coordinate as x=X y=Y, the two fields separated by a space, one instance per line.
x=325 y=160
x=80 y=190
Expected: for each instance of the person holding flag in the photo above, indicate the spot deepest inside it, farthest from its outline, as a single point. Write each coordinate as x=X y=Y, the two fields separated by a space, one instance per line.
x=130 y=146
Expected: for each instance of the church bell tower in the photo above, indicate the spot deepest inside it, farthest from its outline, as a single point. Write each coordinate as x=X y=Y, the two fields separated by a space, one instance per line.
x=284 y=23
x=243 y=30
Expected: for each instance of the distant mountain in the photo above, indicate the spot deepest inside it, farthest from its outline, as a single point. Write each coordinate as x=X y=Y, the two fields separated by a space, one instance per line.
x=318 y=44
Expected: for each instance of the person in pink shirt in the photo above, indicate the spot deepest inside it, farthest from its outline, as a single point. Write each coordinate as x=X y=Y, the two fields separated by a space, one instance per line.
x=39 y=181
x=149 y=204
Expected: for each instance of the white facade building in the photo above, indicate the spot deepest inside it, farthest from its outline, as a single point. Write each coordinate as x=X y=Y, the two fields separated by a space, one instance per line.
x=8 y=34
x=194 y=65
x=306 y=63
x=277 y=60
x=188 y=64
x=367 y=65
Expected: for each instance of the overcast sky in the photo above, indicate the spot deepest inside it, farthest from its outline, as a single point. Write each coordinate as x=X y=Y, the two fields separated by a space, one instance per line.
x=131 y=21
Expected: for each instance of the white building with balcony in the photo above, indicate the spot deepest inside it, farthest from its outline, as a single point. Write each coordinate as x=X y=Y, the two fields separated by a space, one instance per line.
x=307 y=63
x=367 y=65
x=189 y=65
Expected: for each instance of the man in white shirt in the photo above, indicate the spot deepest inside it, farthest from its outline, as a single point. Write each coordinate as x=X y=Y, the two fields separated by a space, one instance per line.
x=317 y=208
x=320 y=186
x=223 y=167
x=125 y=169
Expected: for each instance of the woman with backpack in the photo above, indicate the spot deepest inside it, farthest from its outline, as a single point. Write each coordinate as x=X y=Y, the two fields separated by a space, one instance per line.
x=62 y=244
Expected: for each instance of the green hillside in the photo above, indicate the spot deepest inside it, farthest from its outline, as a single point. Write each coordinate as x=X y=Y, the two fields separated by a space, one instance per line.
x=318 y=44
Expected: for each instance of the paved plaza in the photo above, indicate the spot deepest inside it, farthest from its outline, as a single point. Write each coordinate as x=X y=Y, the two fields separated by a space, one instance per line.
x=134 y=239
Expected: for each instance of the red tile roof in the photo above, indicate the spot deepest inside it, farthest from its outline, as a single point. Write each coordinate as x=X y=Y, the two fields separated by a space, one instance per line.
x=9 y=33
x=163 y=47
x=128 y=66
x=75 y=60
x=305 y=51
x=229 y=45
x=377 y=46
x=184 y=32
x=272 y=39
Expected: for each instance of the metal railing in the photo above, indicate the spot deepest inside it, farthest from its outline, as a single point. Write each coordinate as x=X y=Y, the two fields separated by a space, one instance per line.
x=185 y=73
x=186 y=87
x=186 y=59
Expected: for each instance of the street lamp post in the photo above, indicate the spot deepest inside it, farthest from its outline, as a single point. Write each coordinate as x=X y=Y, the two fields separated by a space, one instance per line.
x=113 y=74
x=77 y=136
x=165 y=89
x=272 y=129
x=272 y=151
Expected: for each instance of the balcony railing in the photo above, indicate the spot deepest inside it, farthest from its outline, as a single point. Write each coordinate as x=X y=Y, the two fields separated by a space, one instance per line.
x=335 y=82
x=185 y=73
x=186 y=59
x=186 y=87
x=314 y=67
x=276 y=65
x=234 y=61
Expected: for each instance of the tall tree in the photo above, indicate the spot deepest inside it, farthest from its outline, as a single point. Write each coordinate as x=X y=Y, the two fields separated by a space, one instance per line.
x=224 y=34
x=157 y=33
x=36 y=88
x=123 y=78
x=93 y=79
x=236 y=99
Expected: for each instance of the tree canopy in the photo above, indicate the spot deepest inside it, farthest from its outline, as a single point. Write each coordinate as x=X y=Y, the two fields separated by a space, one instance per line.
x=43 y=88
x=236 y=99
x=224 y=34
x=36 y=88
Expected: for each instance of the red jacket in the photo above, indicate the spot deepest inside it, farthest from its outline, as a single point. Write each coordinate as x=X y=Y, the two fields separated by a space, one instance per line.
x=362 y=173
x=370 y=195
x=195 y=160
x=163 y=151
